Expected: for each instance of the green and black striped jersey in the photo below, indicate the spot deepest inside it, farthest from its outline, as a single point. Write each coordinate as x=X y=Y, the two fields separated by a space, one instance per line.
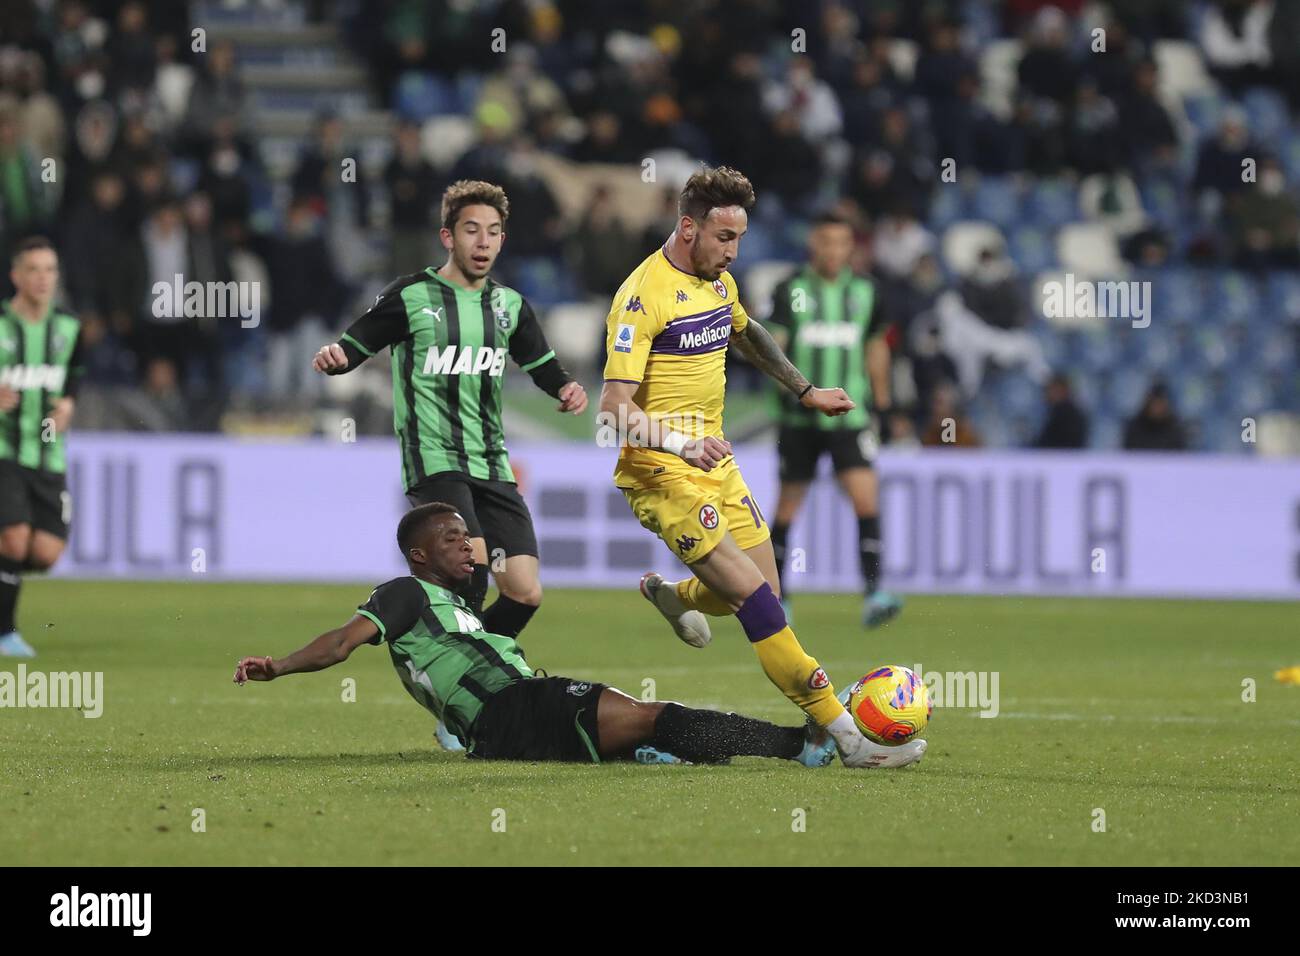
x=445 y=659
x=828 y=324
x=449 y=346
x=41 y=361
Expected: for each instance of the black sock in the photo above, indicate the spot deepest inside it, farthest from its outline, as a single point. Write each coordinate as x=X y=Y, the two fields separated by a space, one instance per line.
x=869 y=551
x=507 y=616
x=11 y=579
x=780 y=532
x=476 y=590
x=706 y=736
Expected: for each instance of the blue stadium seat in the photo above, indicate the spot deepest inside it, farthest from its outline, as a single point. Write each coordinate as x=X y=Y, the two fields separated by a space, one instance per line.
x=1193 y=396
x=1288 y=149
x=1106 y=432
x=996 y=200
x=1266 y=113
x=1282 y=296
x=1234 y=297
x=1051 y=204
x=1177 y=295
x=946 y=207
x=419 y=96
x=1032 y=249
x=1127 y=387
x=1204 y=113
x=1161 y=202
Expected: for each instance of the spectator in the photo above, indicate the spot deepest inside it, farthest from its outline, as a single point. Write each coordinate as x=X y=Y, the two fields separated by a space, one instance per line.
x=947 y=426
x=131 y=53
x=811 y=99
x=163 y=330
x=1235 y=40
x=1066 y=424
x=95 y=269
x=602 y=247
x=1092 y=131
x=1155 y=427
x=216 y=93
x=1264 y=222
x=1146 y=127
x=27 y=202
x=1219 y=165
x=308 y=296
x=992 y=290
x=413 y=194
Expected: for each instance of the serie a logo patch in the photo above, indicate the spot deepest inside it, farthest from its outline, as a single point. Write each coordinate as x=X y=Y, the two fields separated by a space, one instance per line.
x=623 y=339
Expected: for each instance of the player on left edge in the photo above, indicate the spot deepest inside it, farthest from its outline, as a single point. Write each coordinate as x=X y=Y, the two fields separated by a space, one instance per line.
x=40 y=368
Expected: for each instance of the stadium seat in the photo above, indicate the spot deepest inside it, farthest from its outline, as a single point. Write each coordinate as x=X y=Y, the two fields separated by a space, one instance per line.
x=1089 y=250
x=1161 y=202
x=419 y=95
x=946 y=208
x=1266 y=114
x=1234 y=297
x=963 y=241
x=1289 y=156
x=1282 y=296
x=1180 y=69
x=1204 y=111
x=1032 y=249
x=576 y=330
x=1051 y=204
x=759 y=282
x=995 y=200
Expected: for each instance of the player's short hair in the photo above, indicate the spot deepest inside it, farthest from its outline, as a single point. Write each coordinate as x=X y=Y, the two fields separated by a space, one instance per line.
x=413 y=522
x=29 y=244
x=714 y=189
x=472 y=192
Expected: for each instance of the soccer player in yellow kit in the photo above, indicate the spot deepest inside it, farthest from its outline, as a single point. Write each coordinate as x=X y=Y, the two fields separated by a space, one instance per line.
x=668 y=330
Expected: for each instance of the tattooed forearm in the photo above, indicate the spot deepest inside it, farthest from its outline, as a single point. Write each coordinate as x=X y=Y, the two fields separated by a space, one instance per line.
x=757 y=345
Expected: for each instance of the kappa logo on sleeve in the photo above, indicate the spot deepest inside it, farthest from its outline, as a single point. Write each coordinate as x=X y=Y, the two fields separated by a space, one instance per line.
x=623 y=340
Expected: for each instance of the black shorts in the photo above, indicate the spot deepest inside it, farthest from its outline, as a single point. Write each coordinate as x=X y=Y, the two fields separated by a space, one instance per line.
x=493 y=510
x=34 y=497
x=540 y=718
x=799 y=449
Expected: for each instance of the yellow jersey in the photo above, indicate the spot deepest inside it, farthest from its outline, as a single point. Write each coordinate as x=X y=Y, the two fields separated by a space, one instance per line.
x=667 y=333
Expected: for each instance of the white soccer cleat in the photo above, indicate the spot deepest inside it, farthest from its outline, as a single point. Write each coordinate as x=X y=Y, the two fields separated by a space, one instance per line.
x=863 y=753
x=691 y=626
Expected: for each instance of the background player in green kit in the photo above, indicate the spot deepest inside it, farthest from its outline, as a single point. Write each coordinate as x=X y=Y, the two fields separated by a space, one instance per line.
x=40 y=367
x=478 y=684
x=828 y=320
x=450 y=331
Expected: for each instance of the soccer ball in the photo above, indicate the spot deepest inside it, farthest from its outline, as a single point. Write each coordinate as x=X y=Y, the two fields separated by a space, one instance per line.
x=890 y=705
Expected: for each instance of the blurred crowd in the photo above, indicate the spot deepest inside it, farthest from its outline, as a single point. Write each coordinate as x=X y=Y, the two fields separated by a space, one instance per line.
x=161 y=172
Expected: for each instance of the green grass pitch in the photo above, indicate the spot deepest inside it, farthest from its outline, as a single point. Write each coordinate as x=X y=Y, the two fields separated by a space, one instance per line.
x=1131 y=707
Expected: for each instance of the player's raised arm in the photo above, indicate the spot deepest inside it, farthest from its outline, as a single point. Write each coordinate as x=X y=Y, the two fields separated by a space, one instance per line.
x=383 y=324
x=757 y=345
x=332 y=647
x=532 y=353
